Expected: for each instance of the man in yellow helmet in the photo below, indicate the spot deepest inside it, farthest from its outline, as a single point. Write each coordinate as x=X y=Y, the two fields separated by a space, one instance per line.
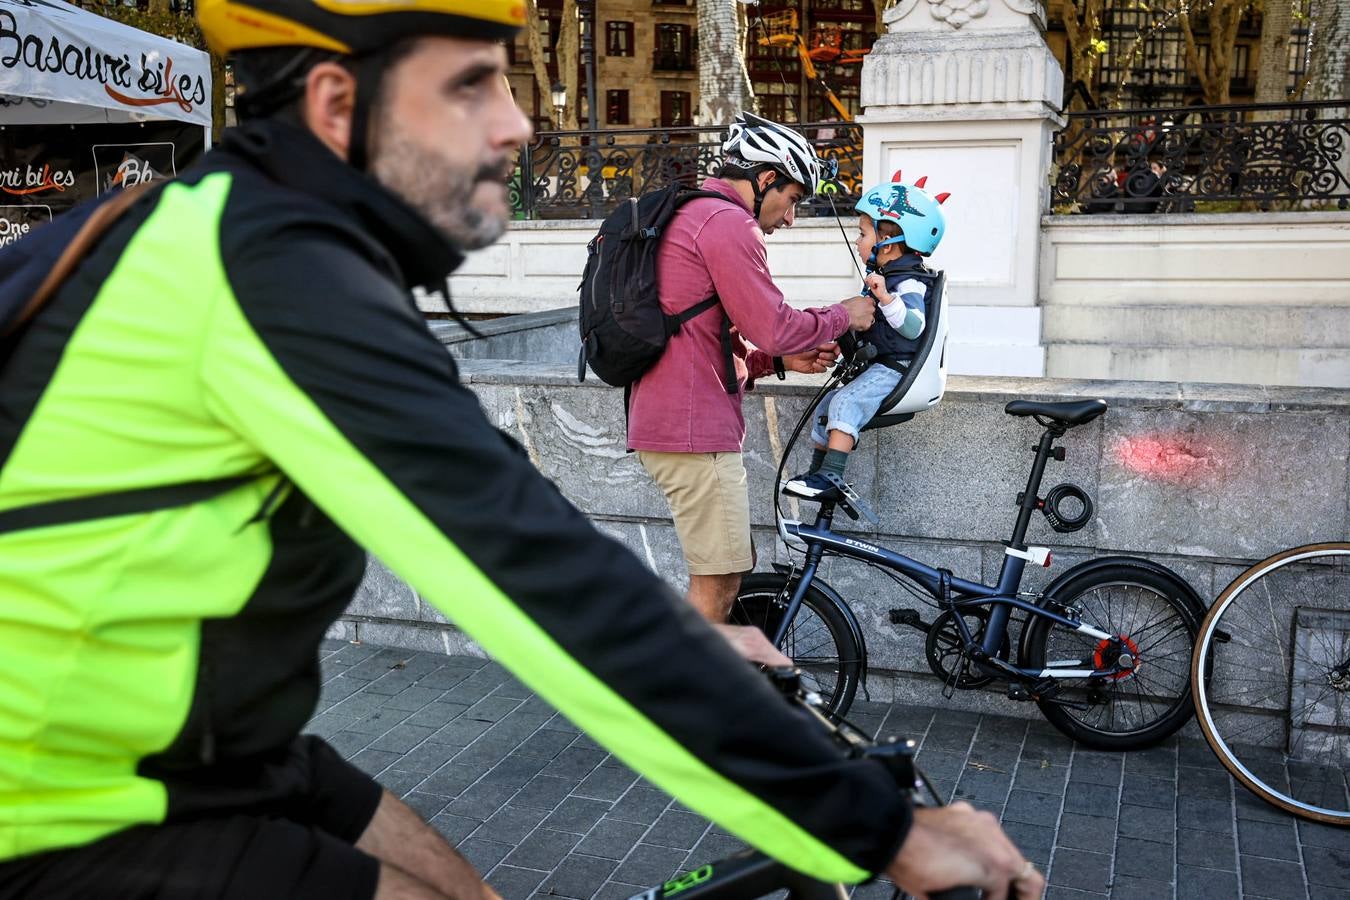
x=228 y=398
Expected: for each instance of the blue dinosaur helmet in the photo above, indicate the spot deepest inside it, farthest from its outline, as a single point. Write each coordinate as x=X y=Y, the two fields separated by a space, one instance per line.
x=914 y=210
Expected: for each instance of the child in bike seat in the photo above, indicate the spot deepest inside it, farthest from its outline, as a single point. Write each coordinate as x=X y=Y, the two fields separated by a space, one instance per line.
x=898 y=226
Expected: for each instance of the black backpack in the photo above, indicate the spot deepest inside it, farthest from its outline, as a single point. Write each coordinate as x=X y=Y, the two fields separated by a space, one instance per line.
x=623 y=328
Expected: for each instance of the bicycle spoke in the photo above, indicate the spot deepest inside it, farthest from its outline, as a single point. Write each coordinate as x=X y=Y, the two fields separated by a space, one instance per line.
x=1273 y=708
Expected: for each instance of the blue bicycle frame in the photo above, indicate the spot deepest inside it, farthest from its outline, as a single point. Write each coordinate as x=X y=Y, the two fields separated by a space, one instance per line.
x=819 y=540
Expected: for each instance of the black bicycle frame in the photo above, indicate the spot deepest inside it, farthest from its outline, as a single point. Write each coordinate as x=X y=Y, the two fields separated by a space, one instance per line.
x=820 y=539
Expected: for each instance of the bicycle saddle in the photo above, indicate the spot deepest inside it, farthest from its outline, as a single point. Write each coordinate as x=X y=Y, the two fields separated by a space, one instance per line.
x=1073 y=412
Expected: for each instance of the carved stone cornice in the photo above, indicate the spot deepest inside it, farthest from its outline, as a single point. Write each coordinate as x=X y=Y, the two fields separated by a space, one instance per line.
x=929 y=68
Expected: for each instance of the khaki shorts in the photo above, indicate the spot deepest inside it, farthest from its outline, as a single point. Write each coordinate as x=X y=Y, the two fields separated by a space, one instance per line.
x=710 y=501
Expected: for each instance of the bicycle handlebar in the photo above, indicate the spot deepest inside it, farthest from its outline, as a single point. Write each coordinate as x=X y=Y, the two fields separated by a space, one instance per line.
x=895 y=754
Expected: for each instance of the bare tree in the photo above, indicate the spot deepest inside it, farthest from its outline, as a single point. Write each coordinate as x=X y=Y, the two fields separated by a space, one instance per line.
x=1216 y=68
x=1083 y=28
x=1272 y=68
x=534 y=39
x=723 y=82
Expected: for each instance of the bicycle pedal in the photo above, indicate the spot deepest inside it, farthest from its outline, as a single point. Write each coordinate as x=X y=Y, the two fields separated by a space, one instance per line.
x=911 y=618
x=1019 y=693
x=852 y=503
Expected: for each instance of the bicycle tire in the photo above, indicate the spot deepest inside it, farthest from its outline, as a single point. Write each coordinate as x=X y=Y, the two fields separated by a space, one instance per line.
x=1283 y=731
x=819 y=641
x=1152 y=611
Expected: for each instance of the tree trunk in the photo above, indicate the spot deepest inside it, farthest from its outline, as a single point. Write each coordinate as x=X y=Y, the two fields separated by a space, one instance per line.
x=535 y=41
x=723 y=82
x=569 y=39
x=1216 y=70
x=1328 y=76
x=1083 y=28
x=1272 y=72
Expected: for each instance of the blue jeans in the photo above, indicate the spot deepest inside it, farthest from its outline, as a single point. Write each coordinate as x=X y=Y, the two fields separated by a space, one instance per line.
x=853 y=405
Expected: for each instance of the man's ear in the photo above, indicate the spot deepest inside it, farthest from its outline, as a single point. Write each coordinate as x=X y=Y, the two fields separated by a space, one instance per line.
x=766 y=178
x=330 y=97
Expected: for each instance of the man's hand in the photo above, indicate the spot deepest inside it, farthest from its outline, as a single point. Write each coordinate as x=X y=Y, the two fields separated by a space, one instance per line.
x=861 y=312
x=959 y=846
x=812 y=362
x=751 y=643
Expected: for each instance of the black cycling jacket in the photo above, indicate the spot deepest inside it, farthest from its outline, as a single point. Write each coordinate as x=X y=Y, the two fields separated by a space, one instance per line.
x=254 y=320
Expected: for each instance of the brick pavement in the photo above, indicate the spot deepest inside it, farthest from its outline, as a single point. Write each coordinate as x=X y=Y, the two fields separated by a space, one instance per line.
x=543 y=811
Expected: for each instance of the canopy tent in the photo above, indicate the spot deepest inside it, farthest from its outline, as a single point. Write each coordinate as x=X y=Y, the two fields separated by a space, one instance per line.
x=89 y=105
x=53 y=51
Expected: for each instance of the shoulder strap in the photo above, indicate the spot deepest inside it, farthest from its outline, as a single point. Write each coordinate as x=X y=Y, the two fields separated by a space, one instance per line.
x=116 y=503
x=94 y=228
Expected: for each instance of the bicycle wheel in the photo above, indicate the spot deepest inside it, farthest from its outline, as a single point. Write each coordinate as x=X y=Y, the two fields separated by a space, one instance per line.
x=1150 y=612
x=819 y=640
x=1276 y=707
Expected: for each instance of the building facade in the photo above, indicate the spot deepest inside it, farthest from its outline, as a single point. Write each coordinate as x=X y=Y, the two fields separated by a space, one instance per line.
x=646 y=59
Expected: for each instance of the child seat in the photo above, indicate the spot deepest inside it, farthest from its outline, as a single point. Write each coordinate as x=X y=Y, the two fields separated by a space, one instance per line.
x=926 y=378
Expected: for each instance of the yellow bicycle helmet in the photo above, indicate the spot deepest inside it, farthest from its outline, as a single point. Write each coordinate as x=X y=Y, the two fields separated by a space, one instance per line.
x=366 y=31
x=353 y=27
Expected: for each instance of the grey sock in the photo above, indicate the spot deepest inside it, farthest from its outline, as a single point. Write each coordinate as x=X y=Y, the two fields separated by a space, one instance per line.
x=835 y=461
x=817 y=457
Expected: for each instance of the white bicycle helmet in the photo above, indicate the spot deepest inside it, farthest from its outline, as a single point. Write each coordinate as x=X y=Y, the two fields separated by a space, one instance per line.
x=754 y=142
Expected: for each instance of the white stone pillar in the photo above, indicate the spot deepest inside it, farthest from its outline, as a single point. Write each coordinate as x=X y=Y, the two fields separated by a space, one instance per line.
x=967 y=93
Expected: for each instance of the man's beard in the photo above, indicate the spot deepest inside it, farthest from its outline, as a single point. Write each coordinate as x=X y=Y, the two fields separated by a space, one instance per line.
x=440 y=191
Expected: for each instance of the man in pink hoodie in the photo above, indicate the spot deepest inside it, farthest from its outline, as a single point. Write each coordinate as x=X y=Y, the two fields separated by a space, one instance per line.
x=685 y=416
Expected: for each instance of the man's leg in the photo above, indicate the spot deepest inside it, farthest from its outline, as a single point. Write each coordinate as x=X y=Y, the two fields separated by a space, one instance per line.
x=710 y=504
x=416 y=862
x=711 y=595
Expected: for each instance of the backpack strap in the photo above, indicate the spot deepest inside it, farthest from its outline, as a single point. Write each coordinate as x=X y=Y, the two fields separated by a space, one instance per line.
x=728 y=357
x=116 y=503
x=674 y=322
x=99 y=221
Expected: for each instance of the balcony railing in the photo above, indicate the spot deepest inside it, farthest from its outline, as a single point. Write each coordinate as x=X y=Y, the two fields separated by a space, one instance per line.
x=672 y=61
x=585 y=174
x=1204 y=158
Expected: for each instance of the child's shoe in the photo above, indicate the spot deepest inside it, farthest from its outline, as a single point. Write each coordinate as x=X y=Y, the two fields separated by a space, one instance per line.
x=812 y=486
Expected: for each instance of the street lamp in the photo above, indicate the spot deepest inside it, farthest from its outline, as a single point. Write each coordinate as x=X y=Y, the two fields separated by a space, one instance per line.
x=559 y=97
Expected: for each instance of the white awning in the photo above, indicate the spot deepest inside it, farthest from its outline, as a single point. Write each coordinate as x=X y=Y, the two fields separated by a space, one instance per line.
x=51 y=50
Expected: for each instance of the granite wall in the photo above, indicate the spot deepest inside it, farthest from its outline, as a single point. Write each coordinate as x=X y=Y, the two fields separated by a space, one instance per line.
x=1203 y=478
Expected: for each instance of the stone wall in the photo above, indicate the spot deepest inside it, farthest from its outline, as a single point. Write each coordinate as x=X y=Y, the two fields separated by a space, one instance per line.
x=537 y=266
x=1203 y=478
x=1242 y=298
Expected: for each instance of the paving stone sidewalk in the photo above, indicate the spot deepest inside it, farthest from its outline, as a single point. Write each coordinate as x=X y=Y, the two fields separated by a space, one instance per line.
x=545 y=812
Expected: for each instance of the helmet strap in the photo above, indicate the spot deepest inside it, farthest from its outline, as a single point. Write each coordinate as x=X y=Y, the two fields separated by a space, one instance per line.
x=369 y=73
x=780 y=180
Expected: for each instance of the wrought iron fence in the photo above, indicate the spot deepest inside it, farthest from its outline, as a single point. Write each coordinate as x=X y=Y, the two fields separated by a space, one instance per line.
x=1204 y=158
x=585 y=174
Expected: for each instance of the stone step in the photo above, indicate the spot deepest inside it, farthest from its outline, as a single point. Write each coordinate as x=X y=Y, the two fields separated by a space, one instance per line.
x=1323 y=367
x=1188 y=327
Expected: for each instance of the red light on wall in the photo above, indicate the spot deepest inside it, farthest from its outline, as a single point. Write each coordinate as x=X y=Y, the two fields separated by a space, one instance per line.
x=1173 y=458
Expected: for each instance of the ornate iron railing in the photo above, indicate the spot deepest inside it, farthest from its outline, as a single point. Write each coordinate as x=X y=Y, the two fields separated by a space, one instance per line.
x=585 y=174
x=1204 y=158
